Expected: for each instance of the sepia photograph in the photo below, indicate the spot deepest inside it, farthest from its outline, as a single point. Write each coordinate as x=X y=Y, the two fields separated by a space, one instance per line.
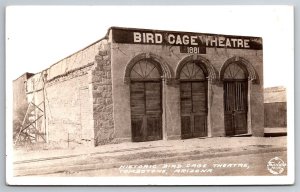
x=149 y=95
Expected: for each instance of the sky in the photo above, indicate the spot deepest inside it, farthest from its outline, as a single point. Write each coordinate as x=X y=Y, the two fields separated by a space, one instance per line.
x=37 y=37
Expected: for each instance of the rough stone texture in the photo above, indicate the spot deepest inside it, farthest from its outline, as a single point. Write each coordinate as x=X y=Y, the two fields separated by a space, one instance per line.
x=102 y=96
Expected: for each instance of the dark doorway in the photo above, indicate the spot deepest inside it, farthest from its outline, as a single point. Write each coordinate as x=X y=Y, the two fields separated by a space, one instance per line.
x=235 y=100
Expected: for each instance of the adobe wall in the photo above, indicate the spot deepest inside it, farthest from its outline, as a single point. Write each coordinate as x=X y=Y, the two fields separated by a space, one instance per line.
x=77 y=97
x=275 y=107
x=69 y=108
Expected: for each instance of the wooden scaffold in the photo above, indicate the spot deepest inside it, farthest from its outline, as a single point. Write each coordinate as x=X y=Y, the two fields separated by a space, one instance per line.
x=30 y=130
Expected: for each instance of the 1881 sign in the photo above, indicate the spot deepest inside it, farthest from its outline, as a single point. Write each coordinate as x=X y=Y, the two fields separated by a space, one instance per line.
x=193 y=50
x=188 y=42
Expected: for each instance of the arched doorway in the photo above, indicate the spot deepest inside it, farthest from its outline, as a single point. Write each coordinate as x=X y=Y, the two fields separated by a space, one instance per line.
x=235 y=79
x=146 y=101
x=193 y=99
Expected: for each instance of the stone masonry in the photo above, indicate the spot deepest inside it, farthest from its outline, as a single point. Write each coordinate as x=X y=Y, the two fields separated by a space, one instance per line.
x=102 y=97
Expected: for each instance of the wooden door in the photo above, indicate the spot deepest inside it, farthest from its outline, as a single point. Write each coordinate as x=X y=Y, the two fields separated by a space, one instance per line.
x=146 y=113
x=193 y=109
x=235 y=101
x=146 y=103
x=193 y=99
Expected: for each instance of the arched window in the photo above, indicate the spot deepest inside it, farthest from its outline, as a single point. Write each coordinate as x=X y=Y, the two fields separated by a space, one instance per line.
x=235 y=71
x=192 y=71
x=144 y=70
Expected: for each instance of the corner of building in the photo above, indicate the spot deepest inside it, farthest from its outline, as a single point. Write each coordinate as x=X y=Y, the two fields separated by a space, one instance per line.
x=102 y=95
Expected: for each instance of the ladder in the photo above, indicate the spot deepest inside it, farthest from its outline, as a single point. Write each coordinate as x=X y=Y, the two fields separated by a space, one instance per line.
x=29 y=132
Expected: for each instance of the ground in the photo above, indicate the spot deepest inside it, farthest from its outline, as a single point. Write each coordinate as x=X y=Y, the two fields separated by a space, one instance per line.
x=199 y=156
x=250 y=165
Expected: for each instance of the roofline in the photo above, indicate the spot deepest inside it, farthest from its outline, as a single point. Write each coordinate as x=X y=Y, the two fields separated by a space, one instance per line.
x=26 y=73
x=129 y=28
x=196 y=33
x=95 y=42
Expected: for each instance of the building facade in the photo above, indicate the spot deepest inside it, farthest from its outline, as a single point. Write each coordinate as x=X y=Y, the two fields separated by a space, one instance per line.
x=275 y=111
x=143 y=85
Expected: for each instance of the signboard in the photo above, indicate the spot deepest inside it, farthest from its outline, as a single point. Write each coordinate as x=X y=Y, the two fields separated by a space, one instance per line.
x=193 y=50
x=189 y=42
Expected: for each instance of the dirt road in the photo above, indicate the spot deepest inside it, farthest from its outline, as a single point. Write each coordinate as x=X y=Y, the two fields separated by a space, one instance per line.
x=247 y=156
x=243 y=165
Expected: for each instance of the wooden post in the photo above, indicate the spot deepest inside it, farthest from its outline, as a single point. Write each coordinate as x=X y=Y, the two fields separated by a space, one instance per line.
x=21 y=128
x=44 y=105
x=249 y=116
x=164 y=106
x=209 y=104
x=34 y=101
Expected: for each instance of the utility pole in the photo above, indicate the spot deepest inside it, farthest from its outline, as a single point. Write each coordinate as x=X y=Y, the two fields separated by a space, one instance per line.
x=44 y=73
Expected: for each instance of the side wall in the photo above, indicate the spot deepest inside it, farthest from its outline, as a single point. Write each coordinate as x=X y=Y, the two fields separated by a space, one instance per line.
x=275 y=107
x=68 y=88
x=69 y=109
x=20 y=103
x=35 y=95
x=275 y=115
x=19 y=93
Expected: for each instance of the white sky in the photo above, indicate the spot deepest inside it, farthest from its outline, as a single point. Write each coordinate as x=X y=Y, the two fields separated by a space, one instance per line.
x=37 y=37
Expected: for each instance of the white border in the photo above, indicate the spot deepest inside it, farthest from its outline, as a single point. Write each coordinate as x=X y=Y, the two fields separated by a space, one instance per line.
x=187 y=180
